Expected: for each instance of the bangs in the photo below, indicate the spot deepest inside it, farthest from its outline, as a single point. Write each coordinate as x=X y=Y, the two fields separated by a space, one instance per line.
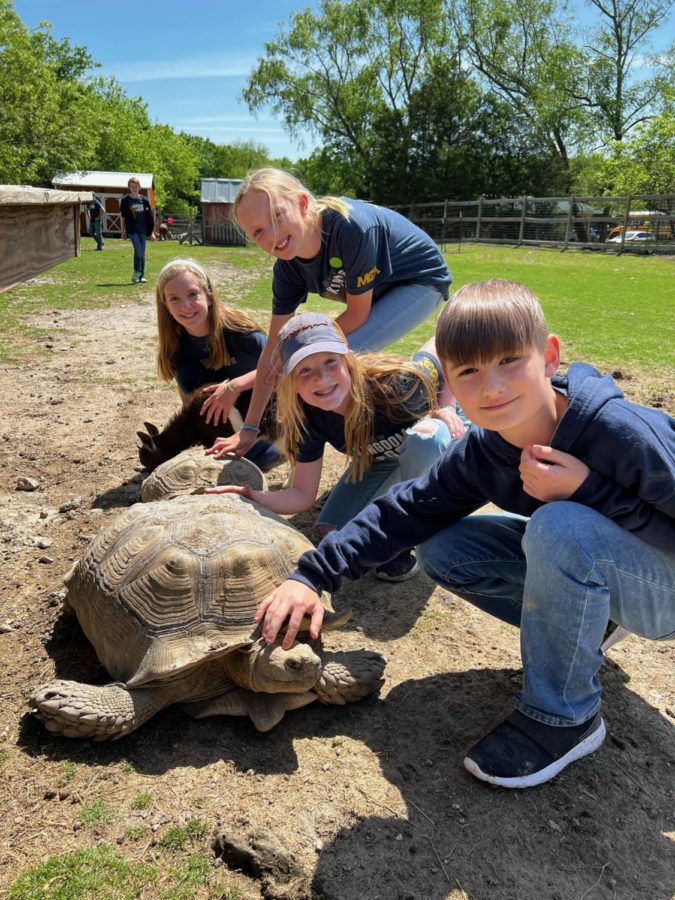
x=487 y=320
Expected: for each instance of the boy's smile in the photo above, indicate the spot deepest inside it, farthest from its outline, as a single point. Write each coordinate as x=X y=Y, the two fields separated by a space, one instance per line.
x=511 y=395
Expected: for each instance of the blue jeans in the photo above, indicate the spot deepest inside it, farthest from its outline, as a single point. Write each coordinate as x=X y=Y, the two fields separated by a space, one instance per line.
x=139 y=241
x=95 y=230
x=561 y=576
x=394 y=315
x=263 y=454
x=418 y=452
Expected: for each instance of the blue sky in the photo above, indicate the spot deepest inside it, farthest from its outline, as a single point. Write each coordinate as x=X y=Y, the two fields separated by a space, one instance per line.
x=188 y=60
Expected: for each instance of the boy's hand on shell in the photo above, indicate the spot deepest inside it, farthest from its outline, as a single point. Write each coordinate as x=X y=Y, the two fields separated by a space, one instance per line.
x=549 y=474
x=291 y=601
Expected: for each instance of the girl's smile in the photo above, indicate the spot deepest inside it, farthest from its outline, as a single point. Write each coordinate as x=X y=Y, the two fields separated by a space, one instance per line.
x=284 y=230
x=323 y=380
x=188 y=303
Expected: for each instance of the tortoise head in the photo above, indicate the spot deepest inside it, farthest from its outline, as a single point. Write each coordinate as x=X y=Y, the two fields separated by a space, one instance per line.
x=273 y=670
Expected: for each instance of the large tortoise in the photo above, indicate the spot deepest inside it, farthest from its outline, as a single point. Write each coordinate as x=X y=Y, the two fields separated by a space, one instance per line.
x=166 y=594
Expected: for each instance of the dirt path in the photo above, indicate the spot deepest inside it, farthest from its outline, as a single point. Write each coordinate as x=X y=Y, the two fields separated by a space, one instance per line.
x=368 y=801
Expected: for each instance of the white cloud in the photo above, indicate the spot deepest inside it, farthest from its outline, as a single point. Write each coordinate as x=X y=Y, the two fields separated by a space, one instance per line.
x=202 y=66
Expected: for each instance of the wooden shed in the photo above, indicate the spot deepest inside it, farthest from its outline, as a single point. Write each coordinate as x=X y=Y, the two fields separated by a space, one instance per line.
x=39 y=228
x=109 y=187
x=217 y=199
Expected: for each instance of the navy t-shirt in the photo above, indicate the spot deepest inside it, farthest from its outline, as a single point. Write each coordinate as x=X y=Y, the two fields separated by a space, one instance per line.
x=192 y=373
x=325 y=427
x=376 y=248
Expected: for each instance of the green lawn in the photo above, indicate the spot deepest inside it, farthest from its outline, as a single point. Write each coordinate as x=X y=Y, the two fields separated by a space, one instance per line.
x=615 y=311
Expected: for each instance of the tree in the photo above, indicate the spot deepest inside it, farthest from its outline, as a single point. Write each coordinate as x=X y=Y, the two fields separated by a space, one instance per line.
x=522 y=49
x=348 y=75
x=624 y=29
x=46 y=113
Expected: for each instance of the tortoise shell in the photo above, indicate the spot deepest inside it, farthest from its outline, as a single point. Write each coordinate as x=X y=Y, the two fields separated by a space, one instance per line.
x=192 y=470
x=168 y=585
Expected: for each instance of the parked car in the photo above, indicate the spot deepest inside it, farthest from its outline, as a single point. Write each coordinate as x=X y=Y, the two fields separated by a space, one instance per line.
x=632 y=236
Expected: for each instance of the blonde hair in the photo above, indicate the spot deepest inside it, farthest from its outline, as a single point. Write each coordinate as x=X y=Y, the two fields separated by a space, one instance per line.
x=135 y=180
x=376 y=383
x=277 y=184
x=487 y=319
x=221 y=318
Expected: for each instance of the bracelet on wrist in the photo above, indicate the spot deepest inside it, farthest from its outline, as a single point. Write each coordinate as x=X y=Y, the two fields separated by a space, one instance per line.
x=228 y=385
x=253 y=428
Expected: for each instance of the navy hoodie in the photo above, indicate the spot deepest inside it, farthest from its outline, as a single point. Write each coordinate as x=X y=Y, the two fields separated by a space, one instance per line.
x=629 y=449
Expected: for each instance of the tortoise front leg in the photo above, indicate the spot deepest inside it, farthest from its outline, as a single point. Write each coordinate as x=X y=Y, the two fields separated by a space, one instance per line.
x=105 y=713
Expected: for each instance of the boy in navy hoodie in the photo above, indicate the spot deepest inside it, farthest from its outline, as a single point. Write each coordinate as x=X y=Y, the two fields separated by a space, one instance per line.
x=587 y=483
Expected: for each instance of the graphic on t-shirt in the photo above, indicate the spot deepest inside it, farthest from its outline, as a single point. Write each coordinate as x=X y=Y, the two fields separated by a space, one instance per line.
x=363 y=280
x=334 y=284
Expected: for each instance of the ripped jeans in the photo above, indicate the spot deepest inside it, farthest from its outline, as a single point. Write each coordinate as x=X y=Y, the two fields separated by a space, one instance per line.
x=426 y=440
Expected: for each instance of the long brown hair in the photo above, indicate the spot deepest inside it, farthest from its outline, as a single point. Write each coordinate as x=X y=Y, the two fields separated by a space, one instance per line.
x=376 y=383
x=221 y=318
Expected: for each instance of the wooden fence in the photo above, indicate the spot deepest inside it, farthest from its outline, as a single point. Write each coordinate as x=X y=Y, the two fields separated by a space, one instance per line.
x=642 y=223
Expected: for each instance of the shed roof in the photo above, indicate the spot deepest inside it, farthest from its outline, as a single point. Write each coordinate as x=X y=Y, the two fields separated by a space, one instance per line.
x=219 y=190
x=26 y=195
x=102 y=179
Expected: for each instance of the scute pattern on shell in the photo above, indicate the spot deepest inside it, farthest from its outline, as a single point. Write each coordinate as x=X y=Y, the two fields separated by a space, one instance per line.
x=167 y=585
x=192 y=470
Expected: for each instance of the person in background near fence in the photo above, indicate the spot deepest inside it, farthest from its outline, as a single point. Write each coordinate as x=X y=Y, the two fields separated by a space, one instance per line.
x=589 y=480
x=95 y=211
x=202 y=341
x=138 y=224
x=389 y=273
x=373 y=408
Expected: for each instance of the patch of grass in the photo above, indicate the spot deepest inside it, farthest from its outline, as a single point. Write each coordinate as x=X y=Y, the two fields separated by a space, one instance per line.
x=611 y=310
x=136 y=832
x=176 y=837
x=99 y=812
x=189 y=877
x=96 y=872
x=196 y=829
x=432 y=618
x=68 y=771
x=127 y=767
x=142 y=801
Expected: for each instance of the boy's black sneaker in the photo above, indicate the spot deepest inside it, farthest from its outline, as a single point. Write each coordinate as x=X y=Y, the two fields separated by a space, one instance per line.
x=522 y=752
x=400 y=568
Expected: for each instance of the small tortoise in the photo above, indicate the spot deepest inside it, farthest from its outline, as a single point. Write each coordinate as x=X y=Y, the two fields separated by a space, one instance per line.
x=192 y=470
x=166 y=594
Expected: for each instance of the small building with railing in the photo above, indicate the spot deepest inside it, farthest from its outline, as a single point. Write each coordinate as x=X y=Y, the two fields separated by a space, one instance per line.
x=109 y=188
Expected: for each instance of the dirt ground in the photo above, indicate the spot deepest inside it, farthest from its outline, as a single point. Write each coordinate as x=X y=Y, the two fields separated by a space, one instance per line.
x=367 y=801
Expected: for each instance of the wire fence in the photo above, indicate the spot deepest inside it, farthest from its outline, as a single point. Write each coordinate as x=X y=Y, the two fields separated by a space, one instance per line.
x=640 y=223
